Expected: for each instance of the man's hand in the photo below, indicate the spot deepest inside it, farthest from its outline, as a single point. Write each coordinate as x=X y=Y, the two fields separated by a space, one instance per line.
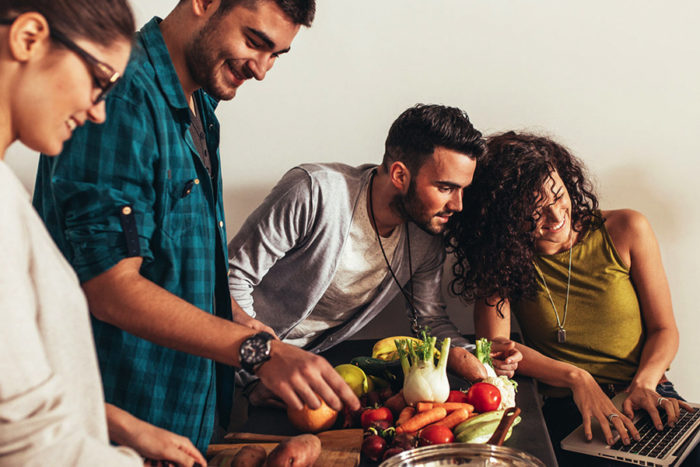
x=299 y=378
x=505 y=356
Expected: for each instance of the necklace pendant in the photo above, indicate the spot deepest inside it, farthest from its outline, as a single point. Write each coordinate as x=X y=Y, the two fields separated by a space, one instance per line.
x=561 y=335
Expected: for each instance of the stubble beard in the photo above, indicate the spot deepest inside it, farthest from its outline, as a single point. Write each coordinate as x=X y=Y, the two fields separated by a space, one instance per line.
x=411 y=209
x=201 y=61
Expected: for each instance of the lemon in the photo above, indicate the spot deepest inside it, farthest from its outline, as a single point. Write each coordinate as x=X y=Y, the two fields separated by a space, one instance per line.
x=355 y=377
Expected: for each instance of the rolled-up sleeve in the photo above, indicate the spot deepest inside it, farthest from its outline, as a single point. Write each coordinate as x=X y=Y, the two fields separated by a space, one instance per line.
x=104 y=173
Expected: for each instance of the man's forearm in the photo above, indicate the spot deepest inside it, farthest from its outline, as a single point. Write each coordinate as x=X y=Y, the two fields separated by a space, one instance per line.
x=127 y=300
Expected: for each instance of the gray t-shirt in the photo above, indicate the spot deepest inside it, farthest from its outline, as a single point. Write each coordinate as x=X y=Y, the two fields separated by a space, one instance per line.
x=361 y=270
x=200 y=139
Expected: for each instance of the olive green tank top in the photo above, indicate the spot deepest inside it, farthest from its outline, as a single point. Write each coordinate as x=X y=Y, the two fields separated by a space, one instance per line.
x=604 y=329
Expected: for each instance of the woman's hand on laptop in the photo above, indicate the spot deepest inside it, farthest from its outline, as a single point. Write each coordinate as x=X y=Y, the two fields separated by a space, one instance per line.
x=593 y=403
x=643 y=398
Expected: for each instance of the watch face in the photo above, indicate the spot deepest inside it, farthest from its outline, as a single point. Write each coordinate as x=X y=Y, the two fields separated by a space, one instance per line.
x=255 y=350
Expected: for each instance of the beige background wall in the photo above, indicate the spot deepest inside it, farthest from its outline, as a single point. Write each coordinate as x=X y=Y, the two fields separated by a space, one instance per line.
x=617 y=81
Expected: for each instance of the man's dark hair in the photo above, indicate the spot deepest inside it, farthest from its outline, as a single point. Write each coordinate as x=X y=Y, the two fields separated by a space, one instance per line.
x=298 y=11
x=414 y=136
x=99 y=21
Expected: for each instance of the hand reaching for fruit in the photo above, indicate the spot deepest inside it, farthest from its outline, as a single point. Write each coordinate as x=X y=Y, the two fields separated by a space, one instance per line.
x=301 y=378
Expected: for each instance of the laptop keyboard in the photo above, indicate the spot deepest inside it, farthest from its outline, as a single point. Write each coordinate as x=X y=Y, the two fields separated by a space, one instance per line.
x=655 y=443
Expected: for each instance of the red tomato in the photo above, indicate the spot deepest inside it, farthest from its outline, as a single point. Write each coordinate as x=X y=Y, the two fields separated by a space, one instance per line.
x=435 y=434
x=379 y=414
x=457 y=396
x=484 y=397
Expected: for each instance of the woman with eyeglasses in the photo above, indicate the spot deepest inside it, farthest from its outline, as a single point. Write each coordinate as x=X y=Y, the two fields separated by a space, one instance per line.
x=587 y=286
x=58 y=60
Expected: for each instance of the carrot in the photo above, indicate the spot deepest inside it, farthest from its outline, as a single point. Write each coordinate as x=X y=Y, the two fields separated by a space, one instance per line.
x=405 y=414
x=448 y=406
x=423 y=406
x=422 y=419
x=452 y=406
x=454 y=418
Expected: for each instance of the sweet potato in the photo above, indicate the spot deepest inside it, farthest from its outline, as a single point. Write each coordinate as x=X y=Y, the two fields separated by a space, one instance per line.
x=396 y=403
x=299 y=451
x=465 y=365
x=250 y=456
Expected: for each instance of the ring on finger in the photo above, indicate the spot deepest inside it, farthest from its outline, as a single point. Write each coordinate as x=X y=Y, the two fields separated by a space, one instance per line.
x=660 y=400
x=611 y=416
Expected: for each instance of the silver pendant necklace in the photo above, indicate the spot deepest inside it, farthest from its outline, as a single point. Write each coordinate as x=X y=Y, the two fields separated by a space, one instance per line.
x=561 y=331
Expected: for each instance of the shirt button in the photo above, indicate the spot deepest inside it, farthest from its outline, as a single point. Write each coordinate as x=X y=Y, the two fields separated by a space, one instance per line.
x=221 y=224
x=196 y=181
x=126 y=210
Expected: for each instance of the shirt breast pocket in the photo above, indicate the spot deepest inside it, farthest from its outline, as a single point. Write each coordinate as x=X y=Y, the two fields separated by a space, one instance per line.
x=187 y=210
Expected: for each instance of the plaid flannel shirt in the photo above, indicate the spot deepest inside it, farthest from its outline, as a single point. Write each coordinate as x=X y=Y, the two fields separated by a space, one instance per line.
x=143 y=157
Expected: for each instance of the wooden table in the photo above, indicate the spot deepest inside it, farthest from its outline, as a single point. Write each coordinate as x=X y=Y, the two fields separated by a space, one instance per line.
x=530 y=435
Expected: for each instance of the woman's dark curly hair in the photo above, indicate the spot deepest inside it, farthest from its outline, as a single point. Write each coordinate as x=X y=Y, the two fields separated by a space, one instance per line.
x=493 y=238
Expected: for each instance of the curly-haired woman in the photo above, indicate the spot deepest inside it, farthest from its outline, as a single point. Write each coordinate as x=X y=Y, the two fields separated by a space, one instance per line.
x=587 y=286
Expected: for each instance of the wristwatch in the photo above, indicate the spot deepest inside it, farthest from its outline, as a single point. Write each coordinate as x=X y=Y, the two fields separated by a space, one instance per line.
x=255 y=350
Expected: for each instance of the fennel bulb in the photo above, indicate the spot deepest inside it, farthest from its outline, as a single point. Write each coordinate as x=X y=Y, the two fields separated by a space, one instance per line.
x=423 y=380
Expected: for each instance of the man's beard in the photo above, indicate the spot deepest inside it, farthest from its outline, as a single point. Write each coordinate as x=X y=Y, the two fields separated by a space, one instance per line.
x=412 y=209
x=201 y=61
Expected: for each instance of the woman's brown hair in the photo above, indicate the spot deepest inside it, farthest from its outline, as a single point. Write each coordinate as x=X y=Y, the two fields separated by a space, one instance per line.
x=100 y=21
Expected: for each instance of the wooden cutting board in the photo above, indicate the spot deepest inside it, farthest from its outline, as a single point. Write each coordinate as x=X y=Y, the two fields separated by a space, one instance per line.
x=338 y=447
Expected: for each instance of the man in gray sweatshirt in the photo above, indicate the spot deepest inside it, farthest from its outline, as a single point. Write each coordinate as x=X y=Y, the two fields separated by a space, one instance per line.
x=332 y=245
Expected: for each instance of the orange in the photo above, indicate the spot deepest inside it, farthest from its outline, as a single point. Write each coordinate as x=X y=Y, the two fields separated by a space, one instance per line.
x=312 y=421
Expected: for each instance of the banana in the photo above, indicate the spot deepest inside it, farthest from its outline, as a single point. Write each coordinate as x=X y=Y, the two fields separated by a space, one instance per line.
x=385 y=349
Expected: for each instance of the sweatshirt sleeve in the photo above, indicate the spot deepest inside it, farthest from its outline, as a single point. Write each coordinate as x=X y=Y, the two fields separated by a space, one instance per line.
x=428 y=298
x=277 y=226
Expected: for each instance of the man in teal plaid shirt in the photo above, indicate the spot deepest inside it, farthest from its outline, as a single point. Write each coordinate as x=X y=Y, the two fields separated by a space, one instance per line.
x=143 y=224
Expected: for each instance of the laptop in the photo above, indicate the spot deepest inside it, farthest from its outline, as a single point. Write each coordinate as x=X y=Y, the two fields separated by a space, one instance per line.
x=655 y=448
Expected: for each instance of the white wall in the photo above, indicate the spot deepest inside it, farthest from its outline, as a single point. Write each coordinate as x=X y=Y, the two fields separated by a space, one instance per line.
x=617 y=81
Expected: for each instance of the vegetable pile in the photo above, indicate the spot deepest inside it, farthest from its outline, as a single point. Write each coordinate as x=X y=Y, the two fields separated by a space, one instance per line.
x=424 y=411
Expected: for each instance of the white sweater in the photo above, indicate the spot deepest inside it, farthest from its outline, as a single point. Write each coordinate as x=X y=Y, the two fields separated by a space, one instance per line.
x=51 y=403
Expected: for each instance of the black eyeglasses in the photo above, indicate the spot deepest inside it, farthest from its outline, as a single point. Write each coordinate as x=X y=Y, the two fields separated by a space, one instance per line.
x=103 y=75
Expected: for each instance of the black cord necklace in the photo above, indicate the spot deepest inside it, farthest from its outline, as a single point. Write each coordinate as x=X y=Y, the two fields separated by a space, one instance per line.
x=414 y=314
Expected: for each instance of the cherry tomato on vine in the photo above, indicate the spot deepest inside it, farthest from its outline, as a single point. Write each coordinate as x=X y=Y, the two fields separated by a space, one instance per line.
x=484 y=397
x=370 y=416
x=457 y=396
x=435 y=434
